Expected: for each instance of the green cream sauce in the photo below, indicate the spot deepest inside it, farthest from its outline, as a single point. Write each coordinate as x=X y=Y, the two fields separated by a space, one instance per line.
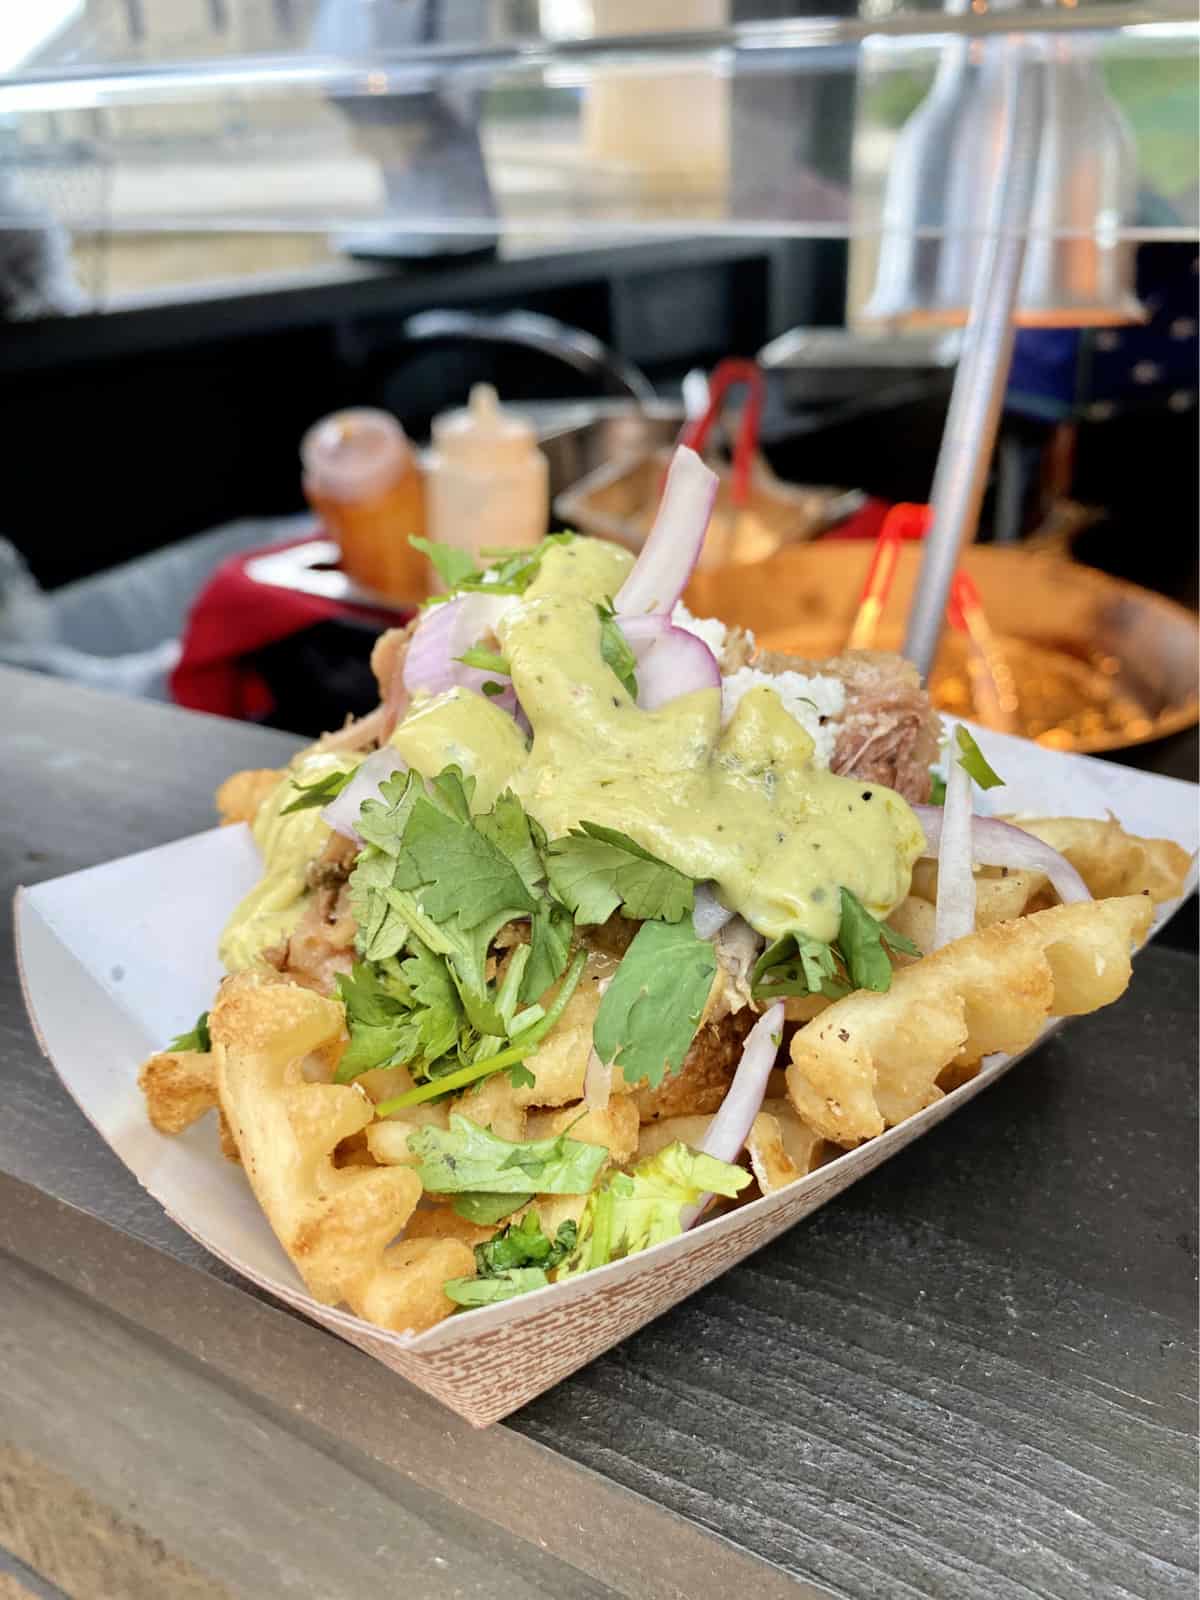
x=269 y=913
x=745 y=807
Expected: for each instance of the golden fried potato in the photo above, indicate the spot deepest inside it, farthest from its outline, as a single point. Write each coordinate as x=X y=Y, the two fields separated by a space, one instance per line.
x=616 y=1127
x=443 y=1222
x=404 y=1291
x=873 y=1059
x=769 y=1160
x=495 y=1104
x=805 y=1147
x=335 y=1224
x=914 y=919
x=179 y=1086
x=656 y=1136
x=387 y=1138
x=240 y=796
x=1001 y=893
x=559 y=1066
x=1111 y=861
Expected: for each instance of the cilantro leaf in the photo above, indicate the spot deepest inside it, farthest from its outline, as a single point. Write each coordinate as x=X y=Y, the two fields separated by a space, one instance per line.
x=616 y=652
x=318 y=793
x=468 y=1157
x=650 y=1011
x=470 y=1292
x=861 y=941
x=523 y=1244
x=485 y=660
x=484 y=1208
x=973 y=762
x=593 y=870
x=937 y=789
x=398 y=1012
x=640 y=1208
x=198 y=1039
x=450 y=563
x=796 y=965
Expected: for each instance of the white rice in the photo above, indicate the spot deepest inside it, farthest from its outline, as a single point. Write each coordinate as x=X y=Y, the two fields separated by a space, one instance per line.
x=815 y=702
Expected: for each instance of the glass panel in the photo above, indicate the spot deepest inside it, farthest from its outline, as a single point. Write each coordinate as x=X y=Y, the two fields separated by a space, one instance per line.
x=351 y=123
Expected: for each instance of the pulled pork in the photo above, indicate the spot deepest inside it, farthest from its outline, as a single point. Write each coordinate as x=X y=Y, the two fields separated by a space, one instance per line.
x=889 y=731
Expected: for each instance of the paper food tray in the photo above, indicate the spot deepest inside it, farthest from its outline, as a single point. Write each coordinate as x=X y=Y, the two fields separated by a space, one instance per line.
x=117 y=959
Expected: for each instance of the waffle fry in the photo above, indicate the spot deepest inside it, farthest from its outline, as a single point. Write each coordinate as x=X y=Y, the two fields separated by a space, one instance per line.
x=179 y=1086
x=270 y=1041
x=1110 y=861
x=871 y=1060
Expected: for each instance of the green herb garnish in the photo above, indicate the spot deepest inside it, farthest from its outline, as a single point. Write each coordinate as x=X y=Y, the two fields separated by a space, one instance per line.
x=199 y=1039
x=318 y=793
x=973 y=762
x=651 y=1010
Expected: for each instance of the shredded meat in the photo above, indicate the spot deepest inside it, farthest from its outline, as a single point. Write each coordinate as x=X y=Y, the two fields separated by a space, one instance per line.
x=323 y=942
x=889 y=731
x=334 y=865
x=387 y=663
x=707 y=1071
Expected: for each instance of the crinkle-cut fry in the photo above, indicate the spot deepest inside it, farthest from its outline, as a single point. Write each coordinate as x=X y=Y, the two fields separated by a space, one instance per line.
x=1111 y=861
x=873 y=1059
x=914 y=918
x=179 y=1086
x=240 y=796
x=616 y=1127
x=404 y=1292
x=387 y=1138
x=769 y=1159
x=656 y=1136
x=443 y=1222
x=495 y=1104
x=805 y=1147
x=334 y=1224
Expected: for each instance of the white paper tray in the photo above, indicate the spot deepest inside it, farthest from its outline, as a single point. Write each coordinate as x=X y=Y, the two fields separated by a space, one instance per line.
x=118 y=958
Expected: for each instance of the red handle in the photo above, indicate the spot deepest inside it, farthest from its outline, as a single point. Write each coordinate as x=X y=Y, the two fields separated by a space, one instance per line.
x=727 y=373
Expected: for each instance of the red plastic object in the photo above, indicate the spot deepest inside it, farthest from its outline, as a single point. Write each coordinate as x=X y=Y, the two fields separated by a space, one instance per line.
x=726 y=374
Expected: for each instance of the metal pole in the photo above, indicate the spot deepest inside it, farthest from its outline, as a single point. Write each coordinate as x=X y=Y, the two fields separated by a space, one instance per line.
x=978 y=393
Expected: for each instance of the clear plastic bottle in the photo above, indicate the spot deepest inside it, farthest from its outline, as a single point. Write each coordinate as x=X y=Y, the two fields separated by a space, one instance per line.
x=362 y=478
x=488 y=484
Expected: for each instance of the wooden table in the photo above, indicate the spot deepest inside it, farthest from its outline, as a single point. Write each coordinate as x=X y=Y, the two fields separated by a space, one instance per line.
x=972 y=1376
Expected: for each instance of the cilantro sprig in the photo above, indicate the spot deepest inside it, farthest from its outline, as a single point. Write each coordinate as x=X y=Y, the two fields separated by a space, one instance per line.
x=197 y=1039
x=514 y=1261
x=511 y=573
x=856 y=959
x=651 y=1010
x=318 y=793
x=594 y=870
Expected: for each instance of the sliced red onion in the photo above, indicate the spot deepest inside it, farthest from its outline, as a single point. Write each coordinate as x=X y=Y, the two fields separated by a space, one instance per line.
x=709 y=916
x=672 y=546
x=670 y=661
x=444 y=633
x=342 y=812
x=1002 y=844
x=955 y=912
x=729 y=1129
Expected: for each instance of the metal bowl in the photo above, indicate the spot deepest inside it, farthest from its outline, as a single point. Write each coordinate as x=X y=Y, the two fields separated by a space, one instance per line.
x=1067 y=628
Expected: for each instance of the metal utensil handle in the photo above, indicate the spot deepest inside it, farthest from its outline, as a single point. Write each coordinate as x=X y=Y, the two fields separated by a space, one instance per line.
x=978 y=393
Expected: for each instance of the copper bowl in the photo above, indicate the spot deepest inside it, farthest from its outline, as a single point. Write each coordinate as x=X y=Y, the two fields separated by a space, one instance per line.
x=1098 y=664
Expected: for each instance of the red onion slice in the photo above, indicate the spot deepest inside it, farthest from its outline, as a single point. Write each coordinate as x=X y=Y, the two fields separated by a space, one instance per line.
x=1003 y=844
x=670 y=661
x=709 y=916
x=444 y=632
x=342 y=812
x=729 y=1129
x=955 y=913
x=672 y=546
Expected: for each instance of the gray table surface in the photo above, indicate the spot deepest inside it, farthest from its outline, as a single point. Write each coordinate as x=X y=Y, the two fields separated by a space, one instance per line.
x=971 y=1376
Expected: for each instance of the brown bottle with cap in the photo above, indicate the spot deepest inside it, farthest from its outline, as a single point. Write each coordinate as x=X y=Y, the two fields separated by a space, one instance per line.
x=362 y=479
